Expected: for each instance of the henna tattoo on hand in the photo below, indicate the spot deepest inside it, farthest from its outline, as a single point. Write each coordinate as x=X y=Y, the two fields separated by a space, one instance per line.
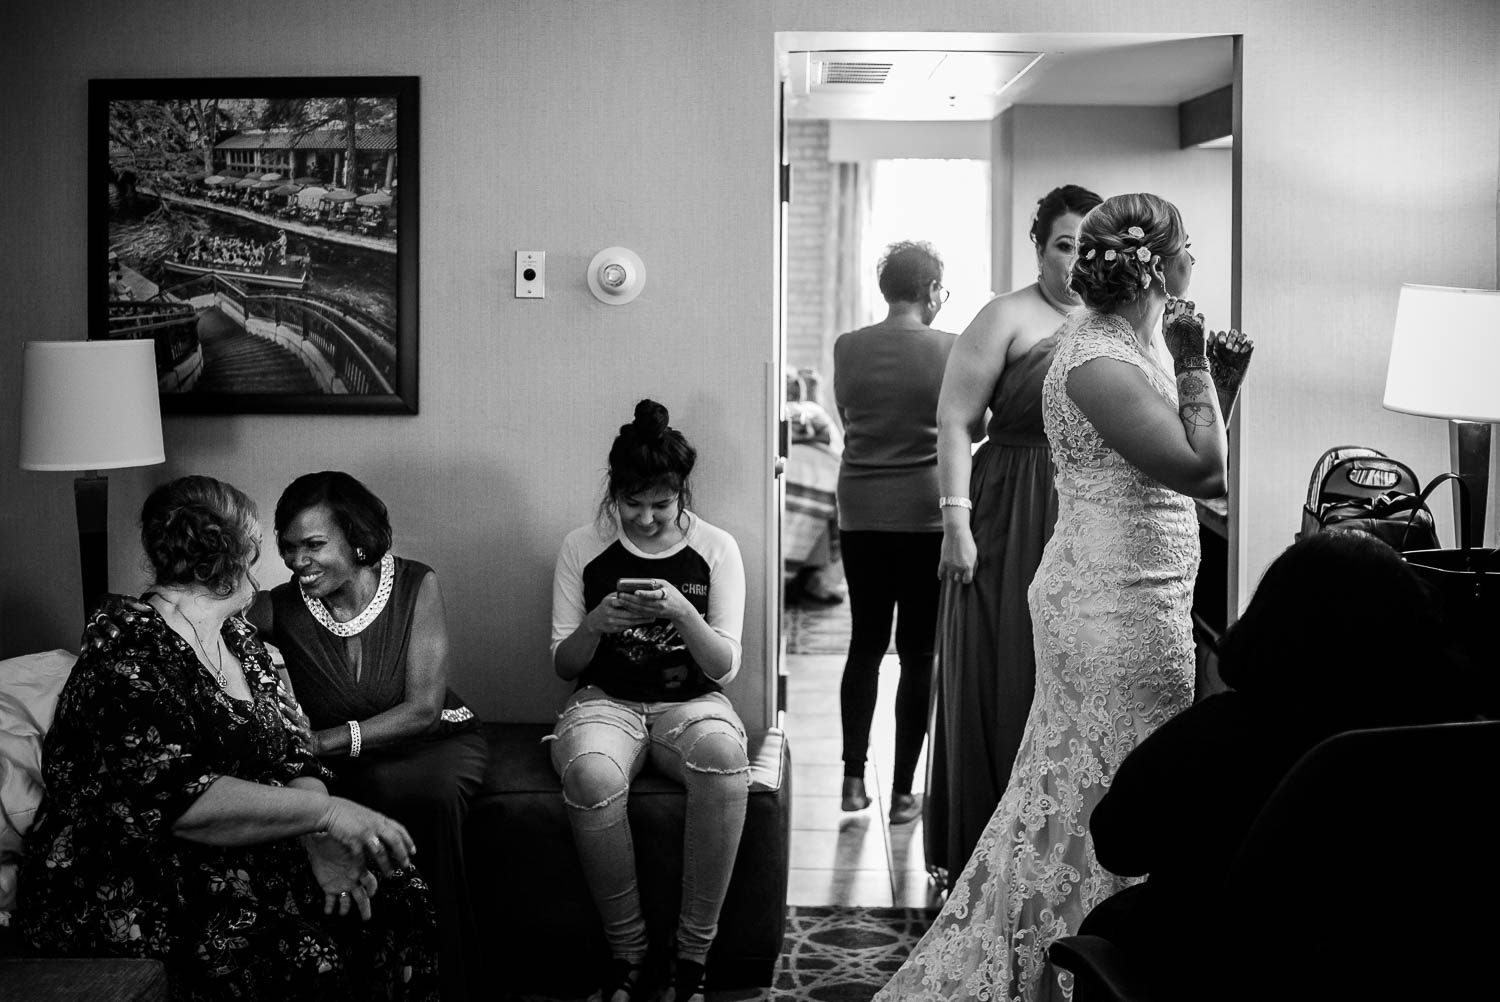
x=1192 y=384
x=1230 y=355
x=1196 y=415
x=1183 y=331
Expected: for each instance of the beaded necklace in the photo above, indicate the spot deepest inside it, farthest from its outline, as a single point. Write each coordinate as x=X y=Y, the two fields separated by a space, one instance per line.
x=367 y=616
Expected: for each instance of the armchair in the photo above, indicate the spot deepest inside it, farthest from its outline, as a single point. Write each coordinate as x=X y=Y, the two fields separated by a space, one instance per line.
x=1368 y=874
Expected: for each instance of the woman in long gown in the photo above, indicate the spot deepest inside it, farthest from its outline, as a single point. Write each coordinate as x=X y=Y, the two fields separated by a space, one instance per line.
x=982 y=687
x=1109 y=603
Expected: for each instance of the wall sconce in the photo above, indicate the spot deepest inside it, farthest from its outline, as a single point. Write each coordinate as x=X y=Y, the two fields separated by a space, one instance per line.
x=1445 y=363
x=616 y=276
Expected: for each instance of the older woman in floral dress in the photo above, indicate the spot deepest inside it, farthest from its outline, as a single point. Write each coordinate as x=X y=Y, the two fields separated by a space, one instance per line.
x=185 y=820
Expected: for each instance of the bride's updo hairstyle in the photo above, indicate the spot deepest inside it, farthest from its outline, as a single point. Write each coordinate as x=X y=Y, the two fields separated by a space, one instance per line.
x=199 y=532
x=1119 y=244
x=649 y=454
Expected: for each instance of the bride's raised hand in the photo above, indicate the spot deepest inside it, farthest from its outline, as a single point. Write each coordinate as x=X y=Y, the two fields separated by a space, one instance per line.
x=1182 y=330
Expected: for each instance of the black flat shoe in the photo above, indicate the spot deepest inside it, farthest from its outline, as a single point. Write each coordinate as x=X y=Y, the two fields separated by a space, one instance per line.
x=687 y=981
x=626 y=981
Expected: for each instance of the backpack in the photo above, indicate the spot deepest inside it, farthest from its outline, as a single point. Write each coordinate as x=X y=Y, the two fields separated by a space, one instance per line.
x=1355 y=487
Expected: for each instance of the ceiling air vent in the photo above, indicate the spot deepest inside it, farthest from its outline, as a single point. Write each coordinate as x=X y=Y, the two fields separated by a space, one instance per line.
x=855 y=73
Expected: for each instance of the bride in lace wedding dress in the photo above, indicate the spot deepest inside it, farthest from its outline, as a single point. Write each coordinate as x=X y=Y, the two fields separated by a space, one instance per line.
x=1109 y=604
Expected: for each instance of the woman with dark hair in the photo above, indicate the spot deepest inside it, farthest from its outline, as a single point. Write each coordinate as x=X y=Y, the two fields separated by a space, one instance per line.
x=177 y=795
x=648 y=601
x=1315 y=653
x=365 y=638
x=885 y=383
x=1109 y=603
x=997 y=509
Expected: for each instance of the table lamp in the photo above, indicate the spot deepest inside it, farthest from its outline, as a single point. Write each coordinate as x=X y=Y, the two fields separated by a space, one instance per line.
x=90 y=406
x=1445 y=362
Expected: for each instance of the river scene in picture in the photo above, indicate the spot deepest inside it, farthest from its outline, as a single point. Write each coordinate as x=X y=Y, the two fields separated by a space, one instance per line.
x=256 y=241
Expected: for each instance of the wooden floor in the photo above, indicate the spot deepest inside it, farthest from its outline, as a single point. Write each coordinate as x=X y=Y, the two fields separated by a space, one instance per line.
x=840 y=858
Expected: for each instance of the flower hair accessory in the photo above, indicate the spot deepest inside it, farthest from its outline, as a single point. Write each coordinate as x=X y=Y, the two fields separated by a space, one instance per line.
x=1137 y=232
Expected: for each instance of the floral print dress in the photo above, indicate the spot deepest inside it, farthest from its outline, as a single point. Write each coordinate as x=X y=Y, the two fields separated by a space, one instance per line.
x=142 y=729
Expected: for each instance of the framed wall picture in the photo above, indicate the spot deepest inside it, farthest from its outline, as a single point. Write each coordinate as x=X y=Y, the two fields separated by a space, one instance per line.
x=263 y=231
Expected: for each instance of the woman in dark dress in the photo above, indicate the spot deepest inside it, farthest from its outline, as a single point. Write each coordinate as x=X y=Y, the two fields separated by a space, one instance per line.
x=1000 y=506
x=365 y=640
x=177 y=796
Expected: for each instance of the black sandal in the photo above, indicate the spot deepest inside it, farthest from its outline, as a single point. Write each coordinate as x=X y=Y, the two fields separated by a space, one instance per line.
x=626 y=976
x=687 y=979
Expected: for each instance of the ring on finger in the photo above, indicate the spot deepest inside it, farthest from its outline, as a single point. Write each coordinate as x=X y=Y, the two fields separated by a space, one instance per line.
x=376 y=844
x=343 y=895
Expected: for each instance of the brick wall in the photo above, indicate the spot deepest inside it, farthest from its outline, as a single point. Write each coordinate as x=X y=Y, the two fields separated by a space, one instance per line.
x=807 y=232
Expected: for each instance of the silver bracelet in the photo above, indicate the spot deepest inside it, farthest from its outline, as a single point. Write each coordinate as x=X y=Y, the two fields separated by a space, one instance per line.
x=953 y=501
x=355 y=741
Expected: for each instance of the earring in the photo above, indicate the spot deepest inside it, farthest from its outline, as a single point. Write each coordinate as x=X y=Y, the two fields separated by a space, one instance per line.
x=359 y=554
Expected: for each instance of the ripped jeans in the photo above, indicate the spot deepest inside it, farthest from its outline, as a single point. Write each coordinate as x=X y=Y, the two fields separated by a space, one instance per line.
x=599 y=745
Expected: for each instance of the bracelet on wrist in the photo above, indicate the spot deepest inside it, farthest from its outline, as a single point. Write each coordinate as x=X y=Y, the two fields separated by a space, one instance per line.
x=954 y=501
x=355 y=740
x=1193 y=363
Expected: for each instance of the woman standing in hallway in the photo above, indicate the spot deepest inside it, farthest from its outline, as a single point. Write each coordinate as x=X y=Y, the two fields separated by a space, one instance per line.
x=886 y=379
x=1133 y=444
x=648 y=601
x=998 y=514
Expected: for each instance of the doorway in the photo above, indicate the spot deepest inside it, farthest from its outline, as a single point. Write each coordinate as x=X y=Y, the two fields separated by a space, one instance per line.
x=1110 y=112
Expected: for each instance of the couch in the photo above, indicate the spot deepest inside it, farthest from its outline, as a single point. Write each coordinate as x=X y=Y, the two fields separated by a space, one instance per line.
x=539 y=930
x=534 y=912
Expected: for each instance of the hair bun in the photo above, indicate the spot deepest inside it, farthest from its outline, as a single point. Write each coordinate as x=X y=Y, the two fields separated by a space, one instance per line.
x=650 y=421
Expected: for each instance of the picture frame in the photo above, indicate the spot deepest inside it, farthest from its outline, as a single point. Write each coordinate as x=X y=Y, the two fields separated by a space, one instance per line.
x=263 y=231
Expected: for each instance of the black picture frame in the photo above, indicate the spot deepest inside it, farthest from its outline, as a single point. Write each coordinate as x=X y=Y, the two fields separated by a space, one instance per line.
x=279 y=276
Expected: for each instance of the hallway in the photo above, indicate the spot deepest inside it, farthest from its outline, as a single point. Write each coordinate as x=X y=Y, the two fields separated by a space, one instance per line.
x=854 y=858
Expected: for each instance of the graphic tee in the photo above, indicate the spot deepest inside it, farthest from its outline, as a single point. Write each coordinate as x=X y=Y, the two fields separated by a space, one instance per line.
x=651 y=662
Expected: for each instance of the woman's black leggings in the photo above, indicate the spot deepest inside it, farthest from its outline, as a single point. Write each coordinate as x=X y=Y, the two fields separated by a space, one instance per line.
x=886 y=570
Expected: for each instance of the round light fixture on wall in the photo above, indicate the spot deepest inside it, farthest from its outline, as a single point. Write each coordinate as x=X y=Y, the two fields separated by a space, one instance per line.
x=616 y=276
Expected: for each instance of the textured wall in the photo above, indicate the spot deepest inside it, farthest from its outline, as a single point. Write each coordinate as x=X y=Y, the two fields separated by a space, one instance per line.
x=561 y=127
x=1112 y=150
x=1370 y=155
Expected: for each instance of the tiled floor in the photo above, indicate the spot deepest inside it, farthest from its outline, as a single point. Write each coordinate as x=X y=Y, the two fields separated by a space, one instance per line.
x=854 y=858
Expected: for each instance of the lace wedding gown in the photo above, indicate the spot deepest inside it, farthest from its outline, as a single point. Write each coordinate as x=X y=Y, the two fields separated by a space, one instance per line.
x=1114 y=660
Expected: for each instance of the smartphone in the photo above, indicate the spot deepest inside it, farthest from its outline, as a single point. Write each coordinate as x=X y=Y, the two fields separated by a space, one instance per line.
x=636 y=584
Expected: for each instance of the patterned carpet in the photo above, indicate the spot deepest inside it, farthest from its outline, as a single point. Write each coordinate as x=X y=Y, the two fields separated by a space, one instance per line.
x=832 y=954
x=843 y=954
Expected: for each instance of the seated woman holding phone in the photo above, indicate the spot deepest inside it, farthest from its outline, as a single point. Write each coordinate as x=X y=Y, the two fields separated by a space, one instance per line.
x=648 y=601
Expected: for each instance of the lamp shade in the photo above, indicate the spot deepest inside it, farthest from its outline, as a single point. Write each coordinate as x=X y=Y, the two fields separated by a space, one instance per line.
x=1445 y=356
x=89 y=405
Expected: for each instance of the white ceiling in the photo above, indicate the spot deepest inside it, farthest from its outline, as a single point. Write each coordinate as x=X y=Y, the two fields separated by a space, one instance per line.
x=936 y=76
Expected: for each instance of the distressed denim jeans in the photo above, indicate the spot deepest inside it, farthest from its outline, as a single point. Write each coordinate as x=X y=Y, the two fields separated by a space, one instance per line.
x=599 y=745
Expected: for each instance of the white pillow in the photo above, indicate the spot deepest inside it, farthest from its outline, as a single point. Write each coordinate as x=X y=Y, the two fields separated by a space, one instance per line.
x=29 y=687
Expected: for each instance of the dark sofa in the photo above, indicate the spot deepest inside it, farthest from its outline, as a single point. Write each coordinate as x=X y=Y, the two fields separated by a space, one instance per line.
x=537 y=923
x=539 y=932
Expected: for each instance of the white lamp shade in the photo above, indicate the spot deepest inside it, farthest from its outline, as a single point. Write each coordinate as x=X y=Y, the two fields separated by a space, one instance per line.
x=1445 y=356
x=89 y=405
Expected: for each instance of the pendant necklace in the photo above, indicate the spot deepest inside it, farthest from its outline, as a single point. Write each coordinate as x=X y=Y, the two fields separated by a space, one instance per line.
x=217 y=672
x=219 y=650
